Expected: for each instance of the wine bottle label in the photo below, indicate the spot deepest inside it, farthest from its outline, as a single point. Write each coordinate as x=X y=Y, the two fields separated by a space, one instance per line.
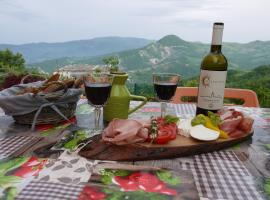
x=211 y=89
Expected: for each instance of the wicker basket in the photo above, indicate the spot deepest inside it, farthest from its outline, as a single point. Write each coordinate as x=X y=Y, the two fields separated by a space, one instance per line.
x=48 y=115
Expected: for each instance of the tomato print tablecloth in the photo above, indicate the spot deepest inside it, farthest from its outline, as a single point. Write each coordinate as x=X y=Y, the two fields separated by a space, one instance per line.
x=240 y=172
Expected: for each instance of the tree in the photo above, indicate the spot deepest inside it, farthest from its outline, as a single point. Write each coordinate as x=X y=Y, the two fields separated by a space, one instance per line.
x=112 y=62
x=12 y=69
x=11 y=62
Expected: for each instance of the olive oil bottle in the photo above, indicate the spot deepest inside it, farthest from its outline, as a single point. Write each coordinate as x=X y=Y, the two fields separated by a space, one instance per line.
x=213 y=75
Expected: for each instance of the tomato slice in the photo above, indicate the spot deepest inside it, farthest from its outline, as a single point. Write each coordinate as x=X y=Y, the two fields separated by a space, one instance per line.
x=162 y=139
x=166 y=133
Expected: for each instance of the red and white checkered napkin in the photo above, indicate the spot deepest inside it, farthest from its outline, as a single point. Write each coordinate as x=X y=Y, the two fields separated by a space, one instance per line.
x=9 y=146
x=43 y=190
x=221 y=175
x=185 y=110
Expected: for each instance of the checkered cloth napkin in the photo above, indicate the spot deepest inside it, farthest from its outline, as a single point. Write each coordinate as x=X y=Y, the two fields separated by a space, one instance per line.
x=220 y=175
x=185 y=110
x=13 y=144
x=42 y=190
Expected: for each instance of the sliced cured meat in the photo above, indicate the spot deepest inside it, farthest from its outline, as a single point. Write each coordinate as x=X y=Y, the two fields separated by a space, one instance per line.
x=229 y=114
x=225 y=114
x=246 y=124
x=237 y=113
x=127 y=131
x=235 y=123
x=230 y=125
x=121 y=132
x=237 y=133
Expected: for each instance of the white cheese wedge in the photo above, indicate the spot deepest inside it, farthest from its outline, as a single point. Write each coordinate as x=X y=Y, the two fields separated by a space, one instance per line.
x=184 y=127
x=200 y=132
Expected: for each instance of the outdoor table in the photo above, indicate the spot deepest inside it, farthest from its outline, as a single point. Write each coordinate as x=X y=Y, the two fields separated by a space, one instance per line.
x=239 y=172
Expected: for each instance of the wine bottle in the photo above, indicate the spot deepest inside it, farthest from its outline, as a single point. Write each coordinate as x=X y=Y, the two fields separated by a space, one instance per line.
x=213 y=75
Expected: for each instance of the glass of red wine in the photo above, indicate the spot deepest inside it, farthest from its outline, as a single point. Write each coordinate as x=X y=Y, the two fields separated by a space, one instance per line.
x=97 y=89
x=165 y=85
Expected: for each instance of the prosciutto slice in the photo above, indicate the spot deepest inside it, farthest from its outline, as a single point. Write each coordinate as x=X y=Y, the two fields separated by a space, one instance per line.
x=235 y=123
x=231 y=124
x=126 y=131
x=237 y=133
x=225 y=113
x=246 y=124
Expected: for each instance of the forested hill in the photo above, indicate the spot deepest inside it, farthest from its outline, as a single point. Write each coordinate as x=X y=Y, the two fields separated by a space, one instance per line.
x=37 y=52
x=172 y=54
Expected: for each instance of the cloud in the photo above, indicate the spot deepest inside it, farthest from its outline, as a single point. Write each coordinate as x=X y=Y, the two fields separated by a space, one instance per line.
x=11 y=9
x=62 y=20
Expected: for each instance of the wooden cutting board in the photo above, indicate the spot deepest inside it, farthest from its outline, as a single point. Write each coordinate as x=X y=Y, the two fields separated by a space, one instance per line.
x=181 y=146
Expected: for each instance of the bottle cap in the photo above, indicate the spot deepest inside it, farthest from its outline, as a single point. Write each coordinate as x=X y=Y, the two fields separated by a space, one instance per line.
x=217 y=33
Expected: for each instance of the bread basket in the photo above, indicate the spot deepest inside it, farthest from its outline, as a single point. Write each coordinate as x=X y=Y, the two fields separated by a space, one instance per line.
x=41 y=108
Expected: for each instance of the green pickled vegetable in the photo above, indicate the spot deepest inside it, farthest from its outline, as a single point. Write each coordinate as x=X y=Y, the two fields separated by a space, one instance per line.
x=214 y=118
x=199 y=119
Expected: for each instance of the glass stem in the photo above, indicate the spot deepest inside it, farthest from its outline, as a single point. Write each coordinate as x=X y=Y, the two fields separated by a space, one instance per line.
x=97 y=117
x=163 y=109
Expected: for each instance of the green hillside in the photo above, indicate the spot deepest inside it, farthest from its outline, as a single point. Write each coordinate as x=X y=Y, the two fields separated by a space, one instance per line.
x=172 y=54
x=37 y=52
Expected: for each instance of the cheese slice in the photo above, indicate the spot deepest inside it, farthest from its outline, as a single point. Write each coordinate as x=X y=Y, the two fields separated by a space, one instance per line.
x=200 y=132
x=184 y=127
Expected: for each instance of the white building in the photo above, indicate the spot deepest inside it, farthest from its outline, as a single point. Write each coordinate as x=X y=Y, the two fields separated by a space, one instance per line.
x=78 y=70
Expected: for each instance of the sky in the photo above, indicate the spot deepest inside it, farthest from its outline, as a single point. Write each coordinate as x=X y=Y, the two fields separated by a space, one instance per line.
x=26 y=21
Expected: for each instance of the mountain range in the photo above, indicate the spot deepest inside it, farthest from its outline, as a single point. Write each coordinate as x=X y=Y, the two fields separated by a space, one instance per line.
x=172 y=54
x=37 y=52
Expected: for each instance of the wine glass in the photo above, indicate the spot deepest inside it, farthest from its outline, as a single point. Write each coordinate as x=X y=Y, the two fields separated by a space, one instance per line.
x=165 y=85
x=97 y=89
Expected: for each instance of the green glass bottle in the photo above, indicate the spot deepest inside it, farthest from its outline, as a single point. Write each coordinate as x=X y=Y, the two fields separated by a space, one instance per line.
x=213 y=75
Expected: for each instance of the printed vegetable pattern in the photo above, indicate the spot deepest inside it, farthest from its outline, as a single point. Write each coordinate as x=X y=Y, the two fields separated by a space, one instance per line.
x=14 y=171
x=124 y=184
x=91 y=193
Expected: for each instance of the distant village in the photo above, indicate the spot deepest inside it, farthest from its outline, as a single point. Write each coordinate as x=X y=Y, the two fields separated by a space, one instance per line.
x=77 y=70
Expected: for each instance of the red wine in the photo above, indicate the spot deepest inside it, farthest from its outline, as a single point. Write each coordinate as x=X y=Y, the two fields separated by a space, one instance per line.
x=213 y=75
x=165 y=91
x=97 y=93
